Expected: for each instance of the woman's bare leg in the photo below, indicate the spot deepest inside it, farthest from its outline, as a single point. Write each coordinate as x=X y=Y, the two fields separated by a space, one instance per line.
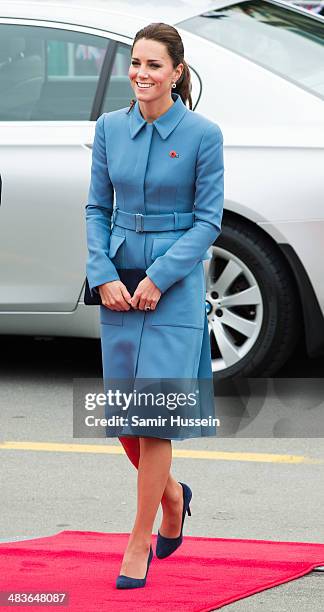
x=153 y=473
x=172 y=499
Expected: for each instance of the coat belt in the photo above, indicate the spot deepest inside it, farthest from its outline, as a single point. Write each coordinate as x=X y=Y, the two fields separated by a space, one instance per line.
x=153 y=223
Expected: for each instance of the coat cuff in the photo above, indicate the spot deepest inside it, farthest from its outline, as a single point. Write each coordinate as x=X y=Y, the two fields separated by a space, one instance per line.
x=95 y=282
x=155 y=275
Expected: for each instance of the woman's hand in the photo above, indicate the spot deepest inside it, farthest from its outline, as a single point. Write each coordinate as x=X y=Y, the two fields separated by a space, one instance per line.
x=114 y=295
x=146 y=294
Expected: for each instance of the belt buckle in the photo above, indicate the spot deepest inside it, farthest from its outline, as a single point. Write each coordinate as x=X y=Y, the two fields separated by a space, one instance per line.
x=139 y=222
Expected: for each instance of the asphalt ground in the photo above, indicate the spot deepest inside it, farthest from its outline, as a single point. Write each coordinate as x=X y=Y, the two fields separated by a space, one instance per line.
x=261 y=478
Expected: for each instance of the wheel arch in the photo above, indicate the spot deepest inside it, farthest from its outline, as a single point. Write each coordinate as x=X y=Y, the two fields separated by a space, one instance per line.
x=313 y=320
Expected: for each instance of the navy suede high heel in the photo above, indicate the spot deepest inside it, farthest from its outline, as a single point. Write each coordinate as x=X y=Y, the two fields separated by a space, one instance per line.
x=166 y=546
x=127 y=582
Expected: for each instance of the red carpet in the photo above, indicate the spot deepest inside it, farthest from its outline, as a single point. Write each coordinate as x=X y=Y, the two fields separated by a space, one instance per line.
x=202 y=575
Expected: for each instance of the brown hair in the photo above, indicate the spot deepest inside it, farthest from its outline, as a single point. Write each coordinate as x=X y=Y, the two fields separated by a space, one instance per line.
x=170 y=37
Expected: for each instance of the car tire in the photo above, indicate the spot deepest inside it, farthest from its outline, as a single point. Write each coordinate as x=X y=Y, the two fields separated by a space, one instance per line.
x=264 y=272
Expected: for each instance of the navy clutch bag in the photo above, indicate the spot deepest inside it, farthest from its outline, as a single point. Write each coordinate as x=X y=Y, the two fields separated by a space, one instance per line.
x=129 y=276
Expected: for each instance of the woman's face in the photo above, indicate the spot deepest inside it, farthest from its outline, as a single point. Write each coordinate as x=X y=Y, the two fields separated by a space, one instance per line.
x=151 y=65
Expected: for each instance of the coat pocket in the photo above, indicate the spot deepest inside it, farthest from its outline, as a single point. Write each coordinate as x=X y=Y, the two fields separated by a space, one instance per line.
x=111 y=317
x=116 y=240
x=160 y=246
x=183 y=304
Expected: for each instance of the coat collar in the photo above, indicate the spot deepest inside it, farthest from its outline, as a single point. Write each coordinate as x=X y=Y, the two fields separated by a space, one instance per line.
x=164 y=124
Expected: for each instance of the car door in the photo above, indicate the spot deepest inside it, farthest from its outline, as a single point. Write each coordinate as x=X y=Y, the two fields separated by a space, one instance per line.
x=49 y=100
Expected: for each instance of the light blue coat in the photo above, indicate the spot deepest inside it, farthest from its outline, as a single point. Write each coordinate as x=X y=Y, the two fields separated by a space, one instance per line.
x=132 y=158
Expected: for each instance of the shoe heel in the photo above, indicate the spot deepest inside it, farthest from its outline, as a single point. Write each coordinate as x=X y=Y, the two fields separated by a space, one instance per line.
x=166 y=546
x=126 y=582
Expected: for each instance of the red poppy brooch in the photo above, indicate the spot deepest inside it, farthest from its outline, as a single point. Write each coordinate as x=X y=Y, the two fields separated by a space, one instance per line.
x=173 y=154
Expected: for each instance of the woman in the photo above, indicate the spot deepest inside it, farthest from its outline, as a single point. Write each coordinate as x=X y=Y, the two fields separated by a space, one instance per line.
x=165 y=163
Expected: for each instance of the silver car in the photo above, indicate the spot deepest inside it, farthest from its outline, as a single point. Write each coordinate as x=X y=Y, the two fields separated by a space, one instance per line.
x=258 y=71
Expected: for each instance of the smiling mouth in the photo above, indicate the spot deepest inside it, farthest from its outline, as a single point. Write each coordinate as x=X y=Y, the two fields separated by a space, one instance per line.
x=144 y=85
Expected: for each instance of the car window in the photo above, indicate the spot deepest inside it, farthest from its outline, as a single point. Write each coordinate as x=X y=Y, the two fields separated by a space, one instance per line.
x=288 y=43
x=119 y=90
x=47 y=73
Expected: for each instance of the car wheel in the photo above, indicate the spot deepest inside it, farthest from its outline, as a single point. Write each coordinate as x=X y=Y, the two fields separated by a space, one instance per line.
x=251 y=303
